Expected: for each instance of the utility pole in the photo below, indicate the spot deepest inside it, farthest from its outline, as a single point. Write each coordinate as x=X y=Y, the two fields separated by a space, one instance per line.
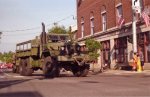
x=0 y=36
x=136 y=8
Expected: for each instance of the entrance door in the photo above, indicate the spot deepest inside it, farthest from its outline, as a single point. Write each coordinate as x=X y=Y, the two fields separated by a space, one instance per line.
x=147 y=43
x=106 y=53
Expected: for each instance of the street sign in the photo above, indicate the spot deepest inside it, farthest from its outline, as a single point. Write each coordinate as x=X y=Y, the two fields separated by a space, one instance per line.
x=136 y=5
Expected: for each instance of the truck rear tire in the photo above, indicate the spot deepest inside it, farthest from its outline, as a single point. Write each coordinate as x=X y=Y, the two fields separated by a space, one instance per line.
x=21 y=71
x=29 y=69
x=24 y=68
x=14 y=69
x=17 y=69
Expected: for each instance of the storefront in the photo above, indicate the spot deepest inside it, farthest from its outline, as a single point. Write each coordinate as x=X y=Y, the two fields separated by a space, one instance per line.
x=117 y=49
x=147 y=55
x=143 y=41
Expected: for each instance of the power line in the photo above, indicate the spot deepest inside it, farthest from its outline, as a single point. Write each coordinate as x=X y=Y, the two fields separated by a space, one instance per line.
x=61 y=20
x=20 y=34
x=35 y=28
x=22 y=29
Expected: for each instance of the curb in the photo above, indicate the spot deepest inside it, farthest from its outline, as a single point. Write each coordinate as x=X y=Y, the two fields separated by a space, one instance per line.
x=126 y=72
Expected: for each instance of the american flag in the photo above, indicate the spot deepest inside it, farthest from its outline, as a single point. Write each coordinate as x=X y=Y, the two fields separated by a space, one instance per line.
x=121 y=21
x=146 y=18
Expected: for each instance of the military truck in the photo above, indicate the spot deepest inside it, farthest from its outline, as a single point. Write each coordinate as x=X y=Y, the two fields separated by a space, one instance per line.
x=50 y=53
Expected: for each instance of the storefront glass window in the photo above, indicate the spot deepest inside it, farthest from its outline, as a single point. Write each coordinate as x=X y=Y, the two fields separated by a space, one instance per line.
x=121 y=50
x=148 y=46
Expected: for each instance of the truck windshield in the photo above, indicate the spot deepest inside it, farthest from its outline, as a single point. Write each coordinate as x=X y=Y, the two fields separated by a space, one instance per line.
x=56 y=38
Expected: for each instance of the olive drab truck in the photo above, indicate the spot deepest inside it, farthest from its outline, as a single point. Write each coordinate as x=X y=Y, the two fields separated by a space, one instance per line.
x=50 y=52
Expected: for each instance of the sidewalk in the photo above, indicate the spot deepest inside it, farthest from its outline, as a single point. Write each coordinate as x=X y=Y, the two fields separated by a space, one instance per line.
x=125 y=72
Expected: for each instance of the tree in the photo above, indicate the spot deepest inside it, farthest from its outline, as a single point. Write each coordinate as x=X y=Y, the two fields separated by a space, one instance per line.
x=6 y=57
x=61 y=30
x=93 y=47
x=58 y=29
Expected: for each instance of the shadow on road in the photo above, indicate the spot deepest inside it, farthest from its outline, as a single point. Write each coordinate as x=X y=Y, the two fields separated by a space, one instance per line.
x=41 y=76
x=6 y=83
x=21 y=94
x=90 y=82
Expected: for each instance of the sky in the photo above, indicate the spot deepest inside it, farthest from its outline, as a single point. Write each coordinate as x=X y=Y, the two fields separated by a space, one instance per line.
x=17 y=16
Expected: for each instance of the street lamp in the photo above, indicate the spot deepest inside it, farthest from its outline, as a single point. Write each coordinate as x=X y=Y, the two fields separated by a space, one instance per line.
x=136 y=8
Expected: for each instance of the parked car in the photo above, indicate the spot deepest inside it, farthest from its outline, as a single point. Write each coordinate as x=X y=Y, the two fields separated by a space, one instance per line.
x=3 y=66
x=9 y=65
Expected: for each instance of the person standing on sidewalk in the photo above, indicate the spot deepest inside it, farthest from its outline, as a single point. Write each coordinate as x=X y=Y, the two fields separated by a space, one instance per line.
x=135 y=59
x=140 y=53
x=139 y=67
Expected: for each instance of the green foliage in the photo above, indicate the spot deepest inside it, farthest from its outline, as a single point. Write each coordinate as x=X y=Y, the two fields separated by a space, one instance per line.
x=6 y=57
x=58 y=29
x=93 y=46
x=61 y=30
x=71 y=35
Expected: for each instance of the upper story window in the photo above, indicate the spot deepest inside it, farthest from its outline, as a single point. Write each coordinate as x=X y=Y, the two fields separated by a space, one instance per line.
x=79 y=2
x=119 y=15
x=104 y=18
x=82 y=27
x=92 y=23
x=104 y=22
x=119 y=10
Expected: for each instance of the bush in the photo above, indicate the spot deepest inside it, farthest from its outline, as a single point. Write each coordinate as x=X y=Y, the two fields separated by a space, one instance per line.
x=93 y=47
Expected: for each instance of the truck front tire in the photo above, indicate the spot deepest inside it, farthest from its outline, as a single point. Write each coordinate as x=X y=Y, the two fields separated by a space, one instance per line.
x=80 y=71
x=49 y=68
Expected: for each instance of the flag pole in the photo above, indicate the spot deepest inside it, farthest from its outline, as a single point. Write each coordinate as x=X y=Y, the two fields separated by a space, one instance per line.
x=134 y=27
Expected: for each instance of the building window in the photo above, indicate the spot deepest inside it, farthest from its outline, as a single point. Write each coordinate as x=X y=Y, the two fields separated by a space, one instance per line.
x=104 y=18
x=121 y=50
x=119 y=15
x=119 y=10
x=92 y=23
x=82 y=27
x=104 y=21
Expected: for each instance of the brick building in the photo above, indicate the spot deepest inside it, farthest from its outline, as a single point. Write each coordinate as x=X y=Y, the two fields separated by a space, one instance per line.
x=110 y=23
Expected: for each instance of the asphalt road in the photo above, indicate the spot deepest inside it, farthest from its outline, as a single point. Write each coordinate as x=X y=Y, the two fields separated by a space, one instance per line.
x=94 y=85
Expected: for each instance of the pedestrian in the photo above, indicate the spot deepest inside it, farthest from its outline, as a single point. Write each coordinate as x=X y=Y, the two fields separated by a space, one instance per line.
x=140 y=53
x=139 y=67
x=134 y=65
